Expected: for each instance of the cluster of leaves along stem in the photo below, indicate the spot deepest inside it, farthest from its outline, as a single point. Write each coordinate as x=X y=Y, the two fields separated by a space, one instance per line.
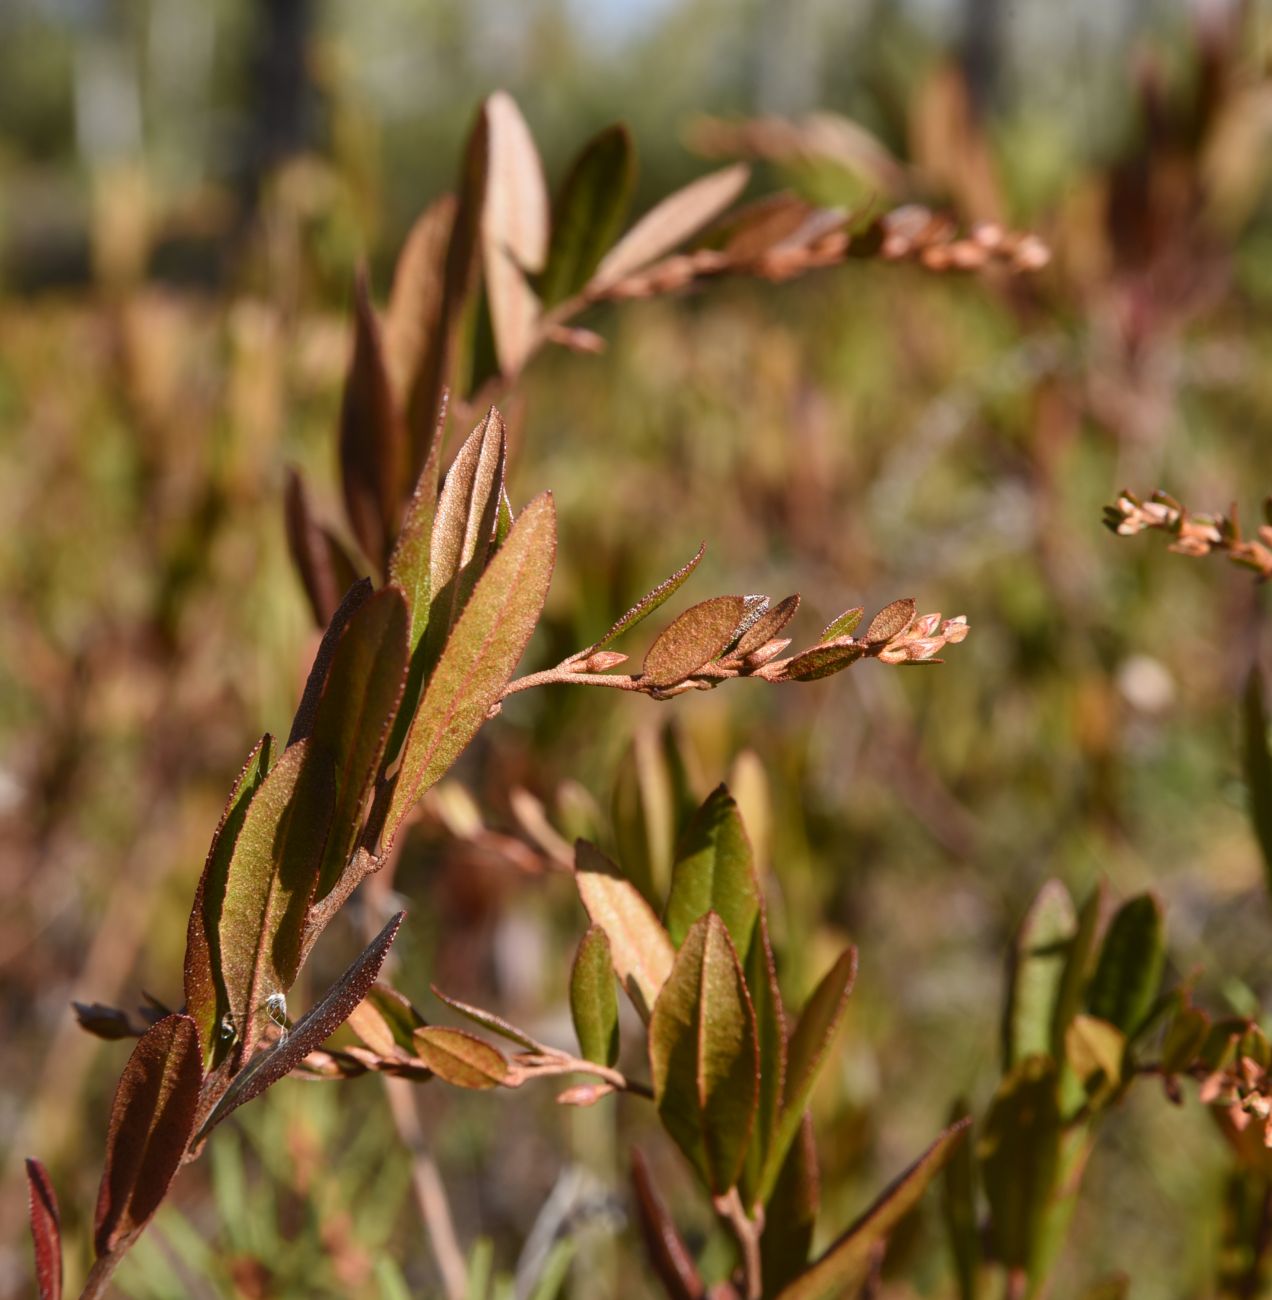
x=730 y=1072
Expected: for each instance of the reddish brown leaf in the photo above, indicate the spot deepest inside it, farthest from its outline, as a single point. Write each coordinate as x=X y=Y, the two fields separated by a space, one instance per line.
x=666 y=1248
x=821 y=661
x=325 y=570
x=514 y=231
x=151 y=1122
x=46 y=1231
x=460 y=1058
x=413 y=317
x=650 y=602
x=693 y=639
x=667 y=225
x=488 y=1020
x=310 y=1032
x=890 y=620
x=765 y=628
x=354 y=599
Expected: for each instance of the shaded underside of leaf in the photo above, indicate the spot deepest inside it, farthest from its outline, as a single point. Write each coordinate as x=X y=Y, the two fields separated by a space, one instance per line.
x=46 y=1231
x=593 y=1001
x=694 y=638
x=641 y=950
x=1129 y=968
x=790 y=1216
x=845 y=1264
x=704 y=1056
x=771 y=1036
x=303 y=723
x=588 y=212
x=310 y=1031
x=714 y=871
x=204 y=985
x=480 y=655
x=152 y=1118
x=325 y=570
x=460 y=1058
x=1257 y=763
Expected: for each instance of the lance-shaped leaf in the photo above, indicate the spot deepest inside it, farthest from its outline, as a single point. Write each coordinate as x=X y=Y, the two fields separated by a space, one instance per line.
x=714 y=871
x=1037 y=972
x=667 y=225
x=806 y=1054
x=373 y=447
x=205 y=994
x=309 y=1032
x=771 y=1035
x=1258 y=766
x=958 y=1207
x=352 y=719
x=269 y=883
x=303 y=723
x=514 y=231
x=693 y=639
x=1129 y=968
x=765 y=628
x=588 y=212
x=704 y=1056
x=790 y=1216
x=464 y=525
x=413 y=318
x=325 y=570
x=648 y=603
x=488 y=1020
x=667 y=1252
x=644 y=815
x=1020 y=1157
x=890 y=620
x=151 y=1121
x=460 y=1058
x=844 y=625
x=844 y=1265
x=822 y=661
x=641 y=950
x=593 y=1002
x=1077 y=968
x=46 y=1231
x=479 y=656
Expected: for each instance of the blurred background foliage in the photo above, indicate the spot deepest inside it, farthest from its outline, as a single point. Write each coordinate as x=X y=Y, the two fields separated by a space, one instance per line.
x=185 y=188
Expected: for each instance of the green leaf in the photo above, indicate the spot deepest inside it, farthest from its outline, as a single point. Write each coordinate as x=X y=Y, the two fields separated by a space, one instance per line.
x=1077 y=968
x=844 y=1265
x=693 y=639
x=821 y=661
x=1037 y=973
x=410 y=565
x=1258 y=766
x=352 y=720
x=648 y=603
x=593 y=1003
x=958 y=1205
x=1184 y=1039
x=668 y=224
x=1020 y=1159
x=205 y=995
x=309 y=1032
x=714 y=871
x=1094 y=1049
x=771 y=1035
x=1130 y=965
x=151 y=1121
x=514 y=231
x=790 y=1216
x=588 y=212
x=890 y=620
x=806 y=1053
x=373 y=450
x=644 y=816
x=844 y=625
x=488 y=1020
x=704 y=1056
x=269 y=884
x=479 y=658
x=460 y=1058
x=642 y=952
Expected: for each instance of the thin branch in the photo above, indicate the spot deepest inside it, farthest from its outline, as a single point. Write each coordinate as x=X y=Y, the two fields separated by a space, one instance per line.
x=747 y=1232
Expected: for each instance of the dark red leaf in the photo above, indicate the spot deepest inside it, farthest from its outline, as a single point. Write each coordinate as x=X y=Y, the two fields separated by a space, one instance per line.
x=667 y=1251
x=46 y=1231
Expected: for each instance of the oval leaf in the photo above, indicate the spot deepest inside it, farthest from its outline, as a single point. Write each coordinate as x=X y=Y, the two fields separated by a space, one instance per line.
x=514 y=230
x=844 y=625
x=46 y=1231
x=460 y=1058
x=1037 y=974
x=479 y=656
x=641 y=951
x=821 y=661
x=1129 y=968
x=593 y=1003
x=667 y=225
x=890 y=620
x=704 y=1056
x=151 y=1121
x=844 y=1266
x=588 y=212
x=714 y=871
x=768 y=626
x=412 y=320
x=693 y=639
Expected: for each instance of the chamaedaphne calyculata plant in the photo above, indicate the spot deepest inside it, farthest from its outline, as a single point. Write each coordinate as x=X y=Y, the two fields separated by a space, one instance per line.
x=418 y=654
